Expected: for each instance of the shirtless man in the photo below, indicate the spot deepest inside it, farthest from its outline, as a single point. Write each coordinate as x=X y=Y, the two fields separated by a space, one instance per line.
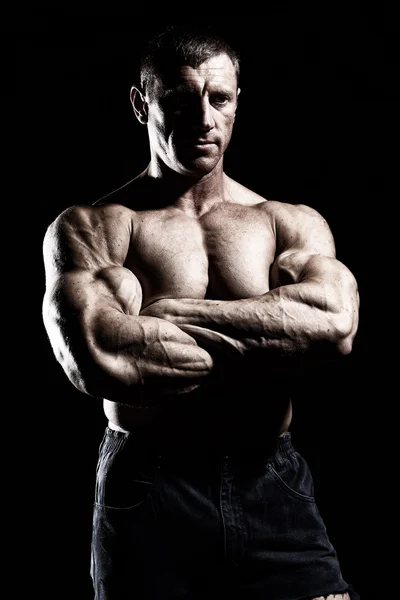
x=187 y=303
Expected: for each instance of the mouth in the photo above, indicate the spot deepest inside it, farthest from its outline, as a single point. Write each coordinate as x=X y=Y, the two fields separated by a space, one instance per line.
x=203 y=144
x=199 y=146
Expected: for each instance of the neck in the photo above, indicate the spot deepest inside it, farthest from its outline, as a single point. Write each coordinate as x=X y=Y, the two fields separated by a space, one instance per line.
x=190 y=193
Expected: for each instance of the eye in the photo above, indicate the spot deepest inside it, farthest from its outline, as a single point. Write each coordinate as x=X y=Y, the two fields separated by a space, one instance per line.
x=219 y=99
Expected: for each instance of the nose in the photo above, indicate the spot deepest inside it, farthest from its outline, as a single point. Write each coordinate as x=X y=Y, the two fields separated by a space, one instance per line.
x=204 y=118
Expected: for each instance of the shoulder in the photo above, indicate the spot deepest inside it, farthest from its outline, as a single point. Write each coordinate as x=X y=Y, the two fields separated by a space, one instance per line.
x=293 y=214
x=276 y=208
x=282 y=213
x=78 y=218
x=300 y=227
x=296 y=226
x=89 y=234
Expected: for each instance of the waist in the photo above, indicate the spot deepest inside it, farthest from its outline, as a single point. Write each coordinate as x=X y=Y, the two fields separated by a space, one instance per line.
x=201 y=451
x=192 y=420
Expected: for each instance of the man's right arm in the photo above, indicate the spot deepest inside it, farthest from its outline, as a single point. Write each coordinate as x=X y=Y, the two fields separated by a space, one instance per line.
x=91 y=313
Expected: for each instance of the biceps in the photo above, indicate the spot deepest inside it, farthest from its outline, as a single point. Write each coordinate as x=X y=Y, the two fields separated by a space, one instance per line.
x=300 y=267
x=76 y=301
x=324 y=282
x=75 y=298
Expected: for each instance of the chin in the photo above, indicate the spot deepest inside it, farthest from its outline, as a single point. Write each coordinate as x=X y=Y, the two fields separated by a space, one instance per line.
x=198 y=167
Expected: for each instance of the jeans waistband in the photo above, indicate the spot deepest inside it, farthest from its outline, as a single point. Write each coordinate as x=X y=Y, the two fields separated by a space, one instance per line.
x=279 y=447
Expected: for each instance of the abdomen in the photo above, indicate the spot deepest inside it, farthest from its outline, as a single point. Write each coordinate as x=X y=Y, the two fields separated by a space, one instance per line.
x=217 y=418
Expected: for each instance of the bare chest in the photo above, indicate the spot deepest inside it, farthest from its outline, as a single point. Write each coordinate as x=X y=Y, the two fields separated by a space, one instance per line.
x=225 y=254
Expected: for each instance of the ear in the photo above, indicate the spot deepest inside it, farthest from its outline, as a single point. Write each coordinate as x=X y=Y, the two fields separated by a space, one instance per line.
x=139 y=104
x=237 y=97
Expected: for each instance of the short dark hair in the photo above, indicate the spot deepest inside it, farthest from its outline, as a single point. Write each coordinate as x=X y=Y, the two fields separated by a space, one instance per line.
x=176 y=45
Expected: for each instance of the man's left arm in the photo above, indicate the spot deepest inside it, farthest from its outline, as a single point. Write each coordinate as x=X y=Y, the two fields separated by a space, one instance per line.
x=311 y=309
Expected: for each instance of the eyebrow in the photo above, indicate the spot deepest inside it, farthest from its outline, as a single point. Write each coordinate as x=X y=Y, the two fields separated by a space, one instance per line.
x=185 y=88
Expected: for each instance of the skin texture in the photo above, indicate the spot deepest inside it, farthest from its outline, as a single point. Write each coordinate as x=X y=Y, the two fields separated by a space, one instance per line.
x=184 y=278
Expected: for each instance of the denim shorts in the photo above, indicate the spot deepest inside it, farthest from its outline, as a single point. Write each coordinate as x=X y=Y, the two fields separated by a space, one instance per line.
x=204 y=523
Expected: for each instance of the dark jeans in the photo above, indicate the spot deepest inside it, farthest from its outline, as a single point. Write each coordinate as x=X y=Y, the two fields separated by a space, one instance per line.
x=200 y=523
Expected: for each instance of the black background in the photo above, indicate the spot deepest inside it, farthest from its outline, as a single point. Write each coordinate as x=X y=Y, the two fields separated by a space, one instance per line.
x=315 y=125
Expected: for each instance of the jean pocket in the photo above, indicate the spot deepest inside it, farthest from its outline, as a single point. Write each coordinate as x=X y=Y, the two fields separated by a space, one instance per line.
x=294 y=478
x=124 y=479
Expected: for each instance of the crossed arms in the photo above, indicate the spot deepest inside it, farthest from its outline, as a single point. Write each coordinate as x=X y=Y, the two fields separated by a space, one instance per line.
x=109 y=345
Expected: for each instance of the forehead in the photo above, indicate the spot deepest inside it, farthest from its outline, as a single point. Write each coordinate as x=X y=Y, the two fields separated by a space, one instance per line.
x=217 y=72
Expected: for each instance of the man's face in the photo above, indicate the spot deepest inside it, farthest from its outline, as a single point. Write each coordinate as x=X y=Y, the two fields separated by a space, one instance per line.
x=191 y=116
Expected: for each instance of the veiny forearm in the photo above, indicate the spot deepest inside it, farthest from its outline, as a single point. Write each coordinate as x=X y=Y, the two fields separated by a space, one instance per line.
x=109 y=354
x=287 y=318
x=312 y=317
x=147 y=351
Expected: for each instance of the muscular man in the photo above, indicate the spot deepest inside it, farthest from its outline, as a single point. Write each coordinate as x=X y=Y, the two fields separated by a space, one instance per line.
x=189 y=303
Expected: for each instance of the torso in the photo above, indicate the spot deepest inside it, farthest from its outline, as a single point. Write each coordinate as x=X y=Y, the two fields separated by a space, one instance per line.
x=225 y=253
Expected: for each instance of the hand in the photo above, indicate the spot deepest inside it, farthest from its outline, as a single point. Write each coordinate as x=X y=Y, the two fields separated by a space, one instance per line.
x=216 y=343
x=187 y=317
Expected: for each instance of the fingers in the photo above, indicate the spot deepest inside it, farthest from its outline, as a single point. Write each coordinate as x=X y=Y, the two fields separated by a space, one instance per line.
x=213 y=340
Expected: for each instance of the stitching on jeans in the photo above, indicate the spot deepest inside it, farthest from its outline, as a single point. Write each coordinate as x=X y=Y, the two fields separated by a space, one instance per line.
x=150 y=484
x=286 y=488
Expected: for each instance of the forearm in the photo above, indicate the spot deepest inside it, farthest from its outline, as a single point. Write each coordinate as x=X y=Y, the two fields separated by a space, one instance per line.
x=286 y=318
x=122 y=357
x=149 y=351
x=293 y=320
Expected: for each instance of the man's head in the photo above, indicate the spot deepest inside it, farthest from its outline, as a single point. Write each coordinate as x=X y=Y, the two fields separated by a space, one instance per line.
x=187 y=98
x=178 y=45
